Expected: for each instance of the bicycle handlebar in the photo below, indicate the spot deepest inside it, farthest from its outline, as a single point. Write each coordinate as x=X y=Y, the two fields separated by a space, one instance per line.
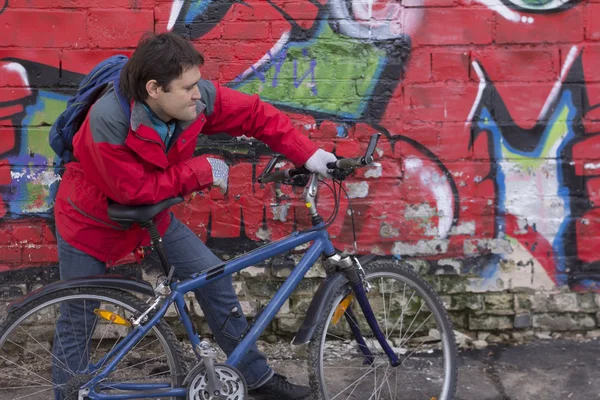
x=343 y=164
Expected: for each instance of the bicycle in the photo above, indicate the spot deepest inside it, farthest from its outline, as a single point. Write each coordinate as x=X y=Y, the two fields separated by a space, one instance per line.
x=351 y=355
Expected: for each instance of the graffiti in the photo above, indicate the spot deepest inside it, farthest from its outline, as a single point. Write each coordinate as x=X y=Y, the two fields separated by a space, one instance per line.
x=487 y=153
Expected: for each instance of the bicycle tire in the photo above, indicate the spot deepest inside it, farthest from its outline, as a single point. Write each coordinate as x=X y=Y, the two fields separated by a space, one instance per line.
x=129 y=302
x=374 y=269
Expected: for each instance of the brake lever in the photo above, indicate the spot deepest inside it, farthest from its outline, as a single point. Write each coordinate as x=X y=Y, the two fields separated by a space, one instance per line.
x=340 y=174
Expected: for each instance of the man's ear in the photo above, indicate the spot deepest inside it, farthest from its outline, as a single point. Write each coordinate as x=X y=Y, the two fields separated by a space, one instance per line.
x=152 y=88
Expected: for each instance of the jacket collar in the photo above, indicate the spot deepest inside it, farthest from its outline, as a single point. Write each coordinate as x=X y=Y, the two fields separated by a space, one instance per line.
x=139 y=116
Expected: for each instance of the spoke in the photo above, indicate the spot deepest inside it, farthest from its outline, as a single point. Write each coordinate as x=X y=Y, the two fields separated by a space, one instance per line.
x=417 y=348
x=22 y=397
x=396 y=385
x=416 y=330
x=23 y=387
x=73 y=328
x=400 y=318
x=337 y=337
x=35 y=340
x=371 y=369
x=16 y=377
x=88 y=338
x=389 y=388
x=377 y=388
x=100 y=342
x=31 y=372
x=411 y=324
x=384 y=313
x=140 y=363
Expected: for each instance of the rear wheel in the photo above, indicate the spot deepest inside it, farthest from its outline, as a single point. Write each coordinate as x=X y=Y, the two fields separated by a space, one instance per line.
x=415 y=323
x=47 y=346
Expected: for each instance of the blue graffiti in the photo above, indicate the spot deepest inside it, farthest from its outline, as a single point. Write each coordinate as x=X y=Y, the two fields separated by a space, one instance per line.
x=487 y=122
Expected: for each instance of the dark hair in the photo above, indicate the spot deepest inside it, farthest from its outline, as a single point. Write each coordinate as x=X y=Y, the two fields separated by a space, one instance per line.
x=163 y=57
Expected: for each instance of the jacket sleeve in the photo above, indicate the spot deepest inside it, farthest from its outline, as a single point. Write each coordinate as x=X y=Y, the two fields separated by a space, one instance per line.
x=117 y=171
x=240 y=114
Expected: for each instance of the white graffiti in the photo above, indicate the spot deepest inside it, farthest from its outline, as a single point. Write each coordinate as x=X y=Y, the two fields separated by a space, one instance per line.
x=439 y=186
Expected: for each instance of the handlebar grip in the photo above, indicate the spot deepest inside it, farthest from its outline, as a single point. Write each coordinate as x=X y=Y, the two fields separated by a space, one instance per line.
x=346 y=163
x=274 y=177
x=283 y=174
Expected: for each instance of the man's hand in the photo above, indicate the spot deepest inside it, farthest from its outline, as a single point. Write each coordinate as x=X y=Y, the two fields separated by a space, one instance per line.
x=220 y=173
x=318 y=162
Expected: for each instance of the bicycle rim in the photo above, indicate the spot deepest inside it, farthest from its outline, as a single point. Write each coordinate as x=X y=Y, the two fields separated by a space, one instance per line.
x=39 y=361
x=418 y=330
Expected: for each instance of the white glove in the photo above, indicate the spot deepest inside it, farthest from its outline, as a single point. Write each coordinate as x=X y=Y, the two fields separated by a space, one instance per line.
x=220 y=173
x=318 y=162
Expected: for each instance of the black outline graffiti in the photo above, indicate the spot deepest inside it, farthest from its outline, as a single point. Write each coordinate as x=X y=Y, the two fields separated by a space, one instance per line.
x=528 y=139
x=4 y=7
x=563 y=7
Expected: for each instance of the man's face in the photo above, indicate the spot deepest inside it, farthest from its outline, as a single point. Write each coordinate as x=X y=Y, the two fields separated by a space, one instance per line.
x=179 y=102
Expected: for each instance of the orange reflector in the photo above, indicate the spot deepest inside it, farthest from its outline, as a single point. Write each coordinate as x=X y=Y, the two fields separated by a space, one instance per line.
x=341 y=308
x=111 y=316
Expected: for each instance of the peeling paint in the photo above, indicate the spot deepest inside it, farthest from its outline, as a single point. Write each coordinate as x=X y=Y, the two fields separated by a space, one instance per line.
x=455 y=264
x=374 y=172
x=263 y=234
x=280 y=211
x=419 y=211
x=422 y=248
x=388 y=231
x=464 y=228
x=482 y=246
x=358 y=190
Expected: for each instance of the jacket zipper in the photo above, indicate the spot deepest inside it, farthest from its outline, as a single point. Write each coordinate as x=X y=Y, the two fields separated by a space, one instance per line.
x=94 y=218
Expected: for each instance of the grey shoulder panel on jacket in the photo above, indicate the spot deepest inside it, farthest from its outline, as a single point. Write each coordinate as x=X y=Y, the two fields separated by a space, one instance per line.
x=208 y=93
x=108 y=122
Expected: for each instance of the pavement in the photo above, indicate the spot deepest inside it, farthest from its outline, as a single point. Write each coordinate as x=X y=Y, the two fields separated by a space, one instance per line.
x=540 y=370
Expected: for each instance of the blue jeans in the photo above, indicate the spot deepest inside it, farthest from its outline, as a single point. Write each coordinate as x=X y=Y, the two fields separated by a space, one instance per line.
x=186 y=252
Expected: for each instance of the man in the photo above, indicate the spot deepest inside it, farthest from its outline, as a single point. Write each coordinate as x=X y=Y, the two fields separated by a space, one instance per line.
x=149 y=158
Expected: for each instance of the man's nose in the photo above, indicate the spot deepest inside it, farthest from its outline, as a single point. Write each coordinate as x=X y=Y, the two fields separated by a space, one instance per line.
x=196 y=95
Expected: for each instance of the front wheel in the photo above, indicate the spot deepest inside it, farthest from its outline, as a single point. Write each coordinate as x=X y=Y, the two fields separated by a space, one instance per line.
x=415 y=324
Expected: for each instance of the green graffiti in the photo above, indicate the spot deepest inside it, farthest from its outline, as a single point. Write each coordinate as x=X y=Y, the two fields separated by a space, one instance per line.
x=556 y=133
x=344 y=70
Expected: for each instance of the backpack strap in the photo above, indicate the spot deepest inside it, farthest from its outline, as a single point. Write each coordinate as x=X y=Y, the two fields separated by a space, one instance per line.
x=125 y=105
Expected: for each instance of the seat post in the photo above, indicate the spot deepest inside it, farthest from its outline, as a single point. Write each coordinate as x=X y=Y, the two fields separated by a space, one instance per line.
x=157 y=243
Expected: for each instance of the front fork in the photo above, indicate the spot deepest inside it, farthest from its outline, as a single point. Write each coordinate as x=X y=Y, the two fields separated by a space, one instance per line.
x=356 y=276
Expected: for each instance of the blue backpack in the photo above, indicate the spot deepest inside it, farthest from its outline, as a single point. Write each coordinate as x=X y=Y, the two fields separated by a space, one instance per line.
x=69 y=121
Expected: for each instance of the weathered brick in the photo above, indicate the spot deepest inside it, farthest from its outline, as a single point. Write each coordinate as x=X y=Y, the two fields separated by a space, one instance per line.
x=84 y=60
x=490 y=322
x=44 y=28
x=450 y=65
x=460 y=26
x=466 y=302
x=131 y=6
x=563 y=322
x=114 y=28
x=40 y=253
x=11 y=254
x=592 y=31
x=512 y=64
x=27 y=234
x=569 y=30
x=499 y=304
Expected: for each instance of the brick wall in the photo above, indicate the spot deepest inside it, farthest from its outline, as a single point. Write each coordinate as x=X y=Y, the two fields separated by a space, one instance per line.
x=487 y=180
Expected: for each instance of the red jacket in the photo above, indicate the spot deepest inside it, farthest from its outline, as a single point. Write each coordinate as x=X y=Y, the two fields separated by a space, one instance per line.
x=127 y=162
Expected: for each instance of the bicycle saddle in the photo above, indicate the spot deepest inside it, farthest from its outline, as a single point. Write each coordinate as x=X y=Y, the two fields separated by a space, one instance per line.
x=140 y=214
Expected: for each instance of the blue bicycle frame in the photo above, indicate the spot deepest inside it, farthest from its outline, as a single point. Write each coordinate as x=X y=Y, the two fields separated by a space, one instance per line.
x=321 y=245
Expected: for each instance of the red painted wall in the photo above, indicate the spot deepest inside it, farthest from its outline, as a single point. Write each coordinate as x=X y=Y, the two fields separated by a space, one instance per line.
x=487 y=111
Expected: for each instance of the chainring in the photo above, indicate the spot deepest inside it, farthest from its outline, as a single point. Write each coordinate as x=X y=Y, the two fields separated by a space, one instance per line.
x=232 y=382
